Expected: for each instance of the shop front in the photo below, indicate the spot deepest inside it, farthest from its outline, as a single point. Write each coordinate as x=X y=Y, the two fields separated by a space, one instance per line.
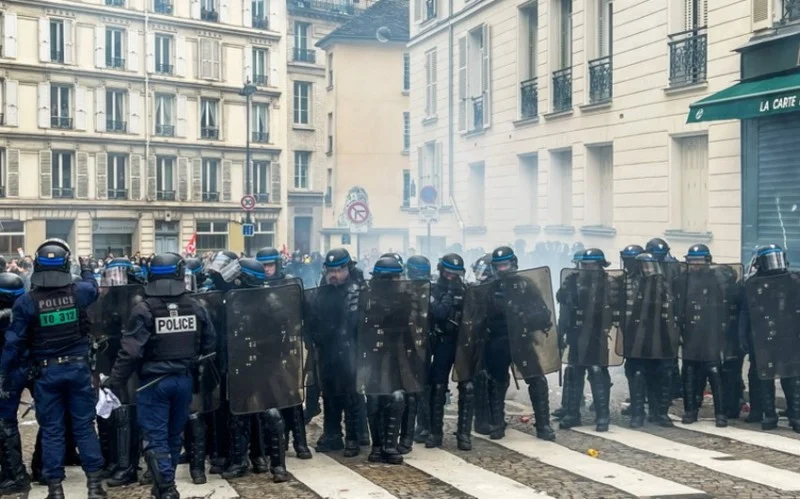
x=113 y=237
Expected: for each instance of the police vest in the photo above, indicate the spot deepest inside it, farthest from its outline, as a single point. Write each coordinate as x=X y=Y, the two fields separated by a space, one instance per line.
x=59 y=322
x=176 y=329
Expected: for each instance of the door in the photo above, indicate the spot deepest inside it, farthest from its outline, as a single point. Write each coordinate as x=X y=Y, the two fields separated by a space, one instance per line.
x=165 y=244
x=302 y=234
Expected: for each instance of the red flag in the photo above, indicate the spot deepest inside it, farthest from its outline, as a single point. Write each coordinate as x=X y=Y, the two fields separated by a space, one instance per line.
x=191 y=246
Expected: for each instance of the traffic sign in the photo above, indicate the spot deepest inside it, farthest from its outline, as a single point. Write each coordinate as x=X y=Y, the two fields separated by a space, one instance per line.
x=248 y=202
x=428 y=194
x=358 y=212
x=429 y=214
x=248 y=230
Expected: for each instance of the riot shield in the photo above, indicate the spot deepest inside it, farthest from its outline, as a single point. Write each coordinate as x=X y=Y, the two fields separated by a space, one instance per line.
x=650 y=325
x=774 y=305
x=392 y=336
x=310 y=354
x=591 y=309
x=207 y=396
x=265 y=348
x=472 y=332
x=709 y=297
x=530 y=316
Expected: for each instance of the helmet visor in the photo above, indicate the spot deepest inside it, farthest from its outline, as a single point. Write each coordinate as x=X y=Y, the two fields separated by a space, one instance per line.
x=115 y=276
x=773 y=260
x=650 y=268
x=228 y=268
x=190 y=281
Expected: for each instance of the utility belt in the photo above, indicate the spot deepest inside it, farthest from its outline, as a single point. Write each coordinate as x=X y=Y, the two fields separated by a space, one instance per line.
x=64 y=359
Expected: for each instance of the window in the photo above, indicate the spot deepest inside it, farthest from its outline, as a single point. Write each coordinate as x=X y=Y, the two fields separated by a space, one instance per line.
x=210 y=180
x=477 y=174
x=600 y=82
x=407 y=188
x=429 y=166
x=209 y=124
x=474 y=75
x=209 y=53
x=329 y=148
x=264 y=235
x=561 y=53
x=60 y=106
x=330 y=70
x=430 y=83
x=406 y=131
x=688 y=48
x=528 y=197
x=301 y=51
x=561 y=187
x=115 y=48
x=260 y=122
x=212 y=236
x=302 y=97
x=301 y=160
x=163 y=54
x=258 y=8
x=57 y=41
x=115 y=3
x=406 y=72
x=165 y=125
x=259 y=66
x=116 y=176
x=162 y=6
x=328 y=186
x=12 y=236
x=528 y=87
x=429 y=9
x=209 y=11
x=600 y=175
x=262 y=181
x=692 y=180
x=62 y=174
x=165 y=178
x=115 y=110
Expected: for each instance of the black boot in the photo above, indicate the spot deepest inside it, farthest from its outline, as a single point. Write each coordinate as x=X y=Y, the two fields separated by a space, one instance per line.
x=259 y=443
x=689 y=378
x=787 y=385
x=572 y=396
x=218 y=421
x=197 y=449
x=298 y=428
x=793 y=402
x=732 y=387
x=466 y=398
x=540 y=399
x=497 y=408
x=15 y=477
x=770 y=421
x=331 y=439
x=562 y=411
x=664 y=395
x=438 y=399
x=407 y=430
x=55 y=490
x=755 y=395
x=104 y=435
x=312 y=408
x=274 y=426
x=238 y=465
x=638 y=388
x=653 y=391
x=126 y=436
x=600 y=381
x=374 y=414
x=422 y=429
x=94 y=485
x=394 y=412
x=483 y=414
x=353 y=424
x=363 y=425
x=168 y=491
x=718 y=394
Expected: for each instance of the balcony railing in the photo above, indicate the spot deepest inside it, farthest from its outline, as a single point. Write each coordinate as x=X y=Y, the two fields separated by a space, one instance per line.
x=477 y=113
x=163 y=68
x=260 y=22
x=562 y=90
x=259 y=79
x=318 y=5
x=116 y=126
x=209 y=133
x=165 y=195
x=118 y=194
x=210 y=196
x=260 y=137
x=600 y=80
x=56 y=55
x=162 y=7
x=115 y=62
x=791 y=11
x=60 y=122
x=63 y=193
x=430 y=9
x=529 y=98
x=262 y=197
x=687 y=57
x=209 y=15
x=304 y=55
x=165 y=130
x=115 y=3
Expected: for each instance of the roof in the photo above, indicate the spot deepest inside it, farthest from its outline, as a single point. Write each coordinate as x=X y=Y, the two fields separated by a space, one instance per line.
x=392 y=14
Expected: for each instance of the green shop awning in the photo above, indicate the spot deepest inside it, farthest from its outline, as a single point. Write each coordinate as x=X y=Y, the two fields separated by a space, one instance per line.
x=749 y=99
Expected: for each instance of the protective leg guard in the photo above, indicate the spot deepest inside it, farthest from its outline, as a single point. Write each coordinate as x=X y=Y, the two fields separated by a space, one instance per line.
x=394 y=412
x=126 y=446
x=483 y=413
x=352 y=423
x=653 y=379
x=540 y=399
x=787 y=386
x=312 y=408
x=407 y=430
x=438 y=399
x=219 y=433
x=638 y=388
x=732 y=387
x=600 y=381
x=665 y=396
x=675 y=380
x=374 y=414
x=239 y=435
x=573 y=393
x=422 y=429
x=497 y=408
x=259 y=442
x=714 y=373
x=161 y=489
x=104 y=434
x=756 y=397
x=363 y=425
x=197 y=449
x=55 y=490
x=689 y=377
x=94 y=486
x=793 y=402
x=298 y=429
x=16 y=479
x=770 y=420
x=466 y=399
x=331 y=438
x=274 y=427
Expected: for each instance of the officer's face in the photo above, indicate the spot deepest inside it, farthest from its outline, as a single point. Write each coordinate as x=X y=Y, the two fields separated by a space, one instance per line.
x=503 y=266
x=270 y=269
x=450 y=276
x=337 y=275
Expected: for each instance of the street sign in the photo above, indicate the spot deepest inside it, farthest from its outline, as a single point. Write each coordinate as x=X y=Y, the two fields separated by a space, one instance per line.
x=248 y=230
x=429 y=214
x=428 y=194
x=248 y=202
x=358 y=212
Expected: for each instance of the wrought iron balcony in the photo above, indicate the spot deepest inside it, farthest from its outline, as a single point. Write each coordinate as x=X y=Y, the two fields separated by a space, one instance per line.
x=329 y=7
x=529 y=98
x=600 y=80
x=305 y=55
x=116 y=126
x=63 y=193
x=262 y=197
x=165 y=130
x=562 y=90
x=162 y=7
x=56 y=55
x=165 y=195
x=259 y=79
x=118 y=194
x=209 y=15
x=60 y=122
x=209 y=133
x=477 y=113
x=430 y=9
x=115 y=3
x=260 y=22
x=115 y=62
x=210 y=196
x=791 y=11
x=260 y=137
x=163 y=68
x=688 y=60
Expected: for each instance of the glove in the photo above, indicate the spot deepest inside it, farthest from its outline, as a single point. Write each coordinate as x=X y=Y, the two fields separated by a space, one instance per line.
x=5 y=394
x=85 y=263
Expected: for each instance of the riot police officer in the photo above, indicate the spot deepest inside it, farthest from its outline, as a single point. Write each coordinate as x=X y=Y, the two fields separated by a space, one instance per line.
x=168 y=332
x=659 y=249
x=195 y=274
x=50 y=324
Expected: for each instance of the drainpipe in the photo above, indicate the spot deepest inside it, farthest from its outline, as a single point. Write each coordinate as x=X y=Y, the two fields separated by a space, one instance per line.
x=146 y=92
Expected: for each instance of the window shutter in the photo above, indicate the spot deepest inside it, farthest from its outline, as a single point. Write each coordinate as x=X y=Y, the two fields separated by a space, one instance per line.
x=437 y=171
x=80 y=107
x=99 y=46
x=133 y=51
x=275 y=168
x=100 y=109
x=44 y=105
x=434 y=74
x=247 y=14
x=150 y=50
x=225 y=11
x=46 y=174
x=10 y=35
x=194 y=9
x=151 y=178
x=183 y=179
x=180 y=115
x=197 y=180
x=11 y=103
x=180 y=56
x=69 y=45
x=462 y=84
x=82 y=175
x=602 y=19
x=762 y=14
x=248 y=63
x=136 y=177
x=216 y=49
x=226 y=180
x=44 y=39
x=135 y=116
x=12 y=173
x=101 y=175
x=486 y=75
x=202 y=58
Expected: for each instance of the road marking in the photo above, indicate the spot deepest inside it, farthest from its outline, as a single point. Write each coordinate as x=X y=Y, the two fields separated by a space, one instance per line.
x=332 y=480
x=759 y=439
x=466 y=477
x=631 y=481
x=717 y=461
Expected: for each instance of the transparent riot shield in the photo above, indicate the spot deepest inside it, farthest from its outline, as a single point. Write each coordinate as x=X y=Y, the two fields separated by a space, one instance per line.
x=710 y=297
x=650 y=325
x=531 y=322
x=472 y=332
x=265 y=348
x=207 y=396
x=774 y=306
x=392 y=336
x=591 y=307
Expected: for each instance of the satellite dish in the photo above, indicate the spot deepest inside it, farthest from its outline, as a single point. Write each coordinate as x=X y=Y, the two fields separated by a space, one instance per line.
x=383 y=34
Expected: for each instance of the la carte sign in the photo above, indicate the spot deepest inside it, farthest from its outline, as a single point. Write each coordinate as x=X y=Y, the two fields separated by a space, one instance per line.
x=778 y=104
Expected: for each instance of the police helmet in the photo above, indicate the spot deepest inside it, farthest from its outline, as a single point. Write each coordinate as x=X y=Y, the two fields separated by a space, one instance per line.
x=167 y=275
x=387 y=267
x=657 y=247
x=271 y=256
x=502 y=256
x=225 y=266
x=771 y=259
x=649 y=264
x=51 y=264
x=631 y=251
x=593 y=258
x=116 y=272
x=482 y=268
x=698 y=254
x=418 y=268
x=577 y=257
x=396 y=256
x=337 y=257
x=137 y=274
x=451 y=263
x=11 y=287
x=194 y=266
x=252 y=275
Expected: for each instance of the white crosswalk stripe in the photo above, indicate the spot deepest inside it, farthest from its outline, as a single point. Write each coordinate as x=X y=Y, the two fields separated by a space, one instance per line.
x=328 y=478
x=759 y=439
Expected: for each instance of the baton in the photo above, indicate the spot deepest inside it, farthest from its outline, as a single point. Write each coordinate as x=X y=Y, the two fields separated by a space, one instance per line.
x=199 y=359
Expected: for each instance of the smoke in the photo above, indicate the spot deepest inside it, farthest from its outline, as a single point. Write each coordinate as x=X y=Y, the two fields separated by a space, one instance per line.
x=780 y=220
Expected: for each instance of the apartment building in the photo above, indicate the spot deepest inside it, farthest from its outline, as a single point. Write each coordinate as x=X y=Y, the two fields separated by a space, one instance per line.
x=124 y=123
x=567 y=120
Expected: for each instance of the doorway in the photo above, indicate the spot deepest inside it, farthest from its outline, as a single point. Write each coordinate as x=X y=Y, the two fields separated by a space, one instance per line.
x=302 y=234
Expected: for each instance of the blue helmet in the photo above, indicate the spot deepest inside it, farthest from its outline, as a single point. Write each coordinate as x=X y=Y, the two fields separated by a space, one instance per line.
x=699 y=253
x=252 y=273
x=387 y=267
x=771 y=259
x=418 y=268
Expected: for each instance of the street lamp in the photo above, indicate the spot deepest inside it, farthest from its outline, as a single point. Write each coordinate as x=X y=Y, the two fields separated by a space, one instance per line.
x=247 y=91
